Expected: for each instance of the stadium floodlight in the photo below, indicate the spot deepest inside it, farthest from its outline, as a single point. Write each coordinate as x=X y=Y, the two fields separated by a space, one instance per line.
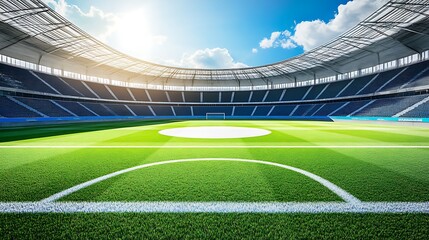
x=215 y=116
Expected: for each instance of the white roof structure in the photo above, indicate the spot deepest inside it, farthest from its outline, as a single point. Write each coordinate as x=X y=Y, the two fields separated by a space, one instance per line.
x=397 y=29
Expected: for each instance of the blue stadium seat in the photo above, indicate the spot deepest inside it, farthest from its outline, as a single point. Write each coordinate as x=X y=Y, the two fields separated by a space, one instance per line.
x=140 y=94
x=140 y=110
x=44 y=106
x=226 y=96
x=119 y=109
x=183 y=111
x=13 y=77
x=274 y=95
x=162 y=110
x=244 y=111
x=121 y=93
x=11 y=109
x=175 y=96
x=211 y=97
x=258 y=96
x=157 y=96
x=262 y=110
x=99 y=109
x=282 y=110
x=76 y=108
x=192 y=97
x=334 y=89
x=59 y=85
x=295 y=93
x=80 y=87
x=100 y=90
x=241 y=96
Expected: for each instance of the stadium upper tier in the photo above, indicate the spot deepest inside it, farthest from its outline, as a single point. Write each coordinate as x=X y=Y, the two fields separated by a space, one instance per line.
x=31 y=31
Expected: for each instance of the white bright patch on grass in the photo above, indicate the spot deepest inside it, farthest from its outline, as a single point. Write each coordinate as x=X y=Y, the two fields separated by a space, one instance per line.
x=214 y=132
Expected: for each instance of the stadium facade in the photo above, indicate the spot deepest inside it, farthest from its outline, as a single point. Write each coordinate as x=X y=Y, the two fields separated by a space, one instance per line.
x=52 y=70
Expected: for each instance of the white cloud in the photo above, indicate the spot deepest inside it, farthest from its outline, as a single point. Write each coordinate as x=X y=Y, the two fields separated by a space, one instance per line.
x=278 y=39
x=310 y=34
x=210 y=58
x=287 y=43
x=268 y=43
x=254 y=50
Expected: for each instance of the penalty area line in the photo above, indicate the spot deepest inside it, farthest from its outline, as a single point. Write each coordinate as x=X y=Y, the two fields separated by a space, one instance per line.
x=212 y=146
x=214 y=207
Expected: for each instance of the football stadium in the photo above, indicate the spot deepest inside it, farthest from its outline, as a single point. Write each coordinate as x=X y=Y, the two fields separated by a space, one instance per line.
x=330 y=143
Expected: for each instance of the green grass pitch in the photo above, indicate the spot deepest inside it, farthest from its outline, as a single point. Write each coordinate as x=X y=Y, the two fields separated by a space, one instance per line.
x=374 y=163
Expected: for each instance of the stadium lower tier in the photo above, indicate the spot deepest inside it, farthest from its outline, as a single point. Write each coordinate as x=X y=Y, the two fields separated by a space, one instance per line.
x=25 y=107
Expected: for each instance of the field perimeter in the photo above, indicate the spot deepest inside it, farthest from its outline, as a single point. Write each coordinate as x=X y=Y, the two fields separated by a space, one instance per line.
x=303 y=180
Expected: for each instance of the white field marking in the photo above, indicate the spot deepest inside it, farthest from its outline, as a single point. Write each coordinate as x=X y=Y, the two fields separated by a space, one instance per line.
x=214 y=132
x=335 y=128
x=347 y=197
x=214 y=207
x=212 y=146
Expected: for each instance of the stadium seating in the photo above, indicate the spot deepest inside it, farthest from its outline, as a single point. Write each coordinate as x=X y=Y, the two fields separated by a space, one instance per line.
x=175 y=96
x=157 y=96
x=100 y=90
x=183 y=111
x=121 y=93
x=389 y=107
x=80 y=87
x=340 y=98
x=211 y=97
x=13 y=77
x=99 y=109
x=141 y=110
x=226 y=96
x=420 y=111
x=274 y=95
x=295 y=94
x=192 y=96
x=77 y=108
x=59 y=85
x=241 y=96
x=45 y=106
x=11 y=109
x=140 y=94
x=262 y=111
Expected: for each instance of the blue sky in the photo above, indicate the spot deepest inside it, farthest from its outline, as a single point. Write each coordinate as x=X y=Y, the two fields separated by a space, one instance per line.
x=215 y=33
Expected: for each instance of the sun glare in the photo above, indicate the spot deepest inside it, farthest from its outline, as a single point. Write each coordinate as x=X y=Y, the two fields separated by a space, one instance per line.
x=135 y=34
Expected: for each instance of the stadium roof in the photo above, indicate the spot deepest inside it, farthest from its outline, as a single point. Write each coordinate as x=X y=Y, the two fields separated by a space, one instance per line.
x=398 y=24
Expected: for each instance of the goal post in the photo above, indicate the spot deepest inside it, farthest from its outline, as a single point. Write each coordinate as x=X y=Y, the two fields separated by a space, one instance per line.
x=215 y=116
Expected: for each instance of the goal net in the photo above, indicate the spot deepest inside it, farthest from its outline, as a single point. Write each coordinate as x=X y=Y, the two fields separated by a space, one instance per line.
x=215 y=116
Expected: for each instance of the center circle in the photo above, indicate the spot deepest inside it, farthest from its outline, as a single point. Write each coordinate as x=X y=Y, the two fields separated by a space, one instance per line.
x=214 y=132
